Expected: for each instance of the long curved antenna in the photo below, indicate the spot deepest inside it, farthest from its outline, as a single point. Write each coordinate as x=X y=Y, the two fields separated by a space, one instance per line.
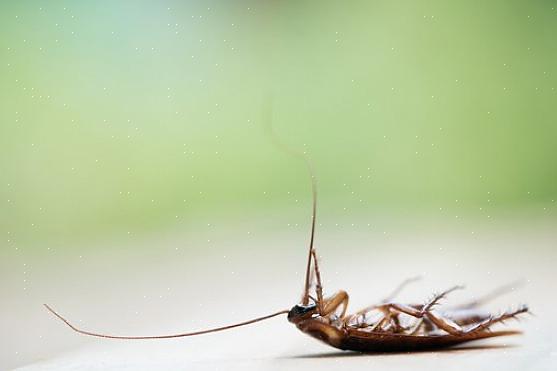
x=305 y=297
x=88 y=333
x=303 y=156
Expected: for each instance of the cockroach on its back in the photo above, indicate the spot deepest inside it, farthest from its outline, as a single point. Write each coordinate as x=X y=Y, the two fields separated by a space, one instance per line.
x=394 y=326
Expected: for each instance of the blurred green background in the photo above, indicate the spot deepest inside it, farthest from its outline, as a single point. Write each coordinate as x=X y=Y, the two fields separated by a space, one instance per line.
x=127 y=117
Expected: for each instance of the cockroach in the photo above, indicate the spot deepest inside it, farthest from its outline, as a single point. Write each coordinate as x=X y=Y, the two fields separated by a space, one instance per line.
x=383 y=327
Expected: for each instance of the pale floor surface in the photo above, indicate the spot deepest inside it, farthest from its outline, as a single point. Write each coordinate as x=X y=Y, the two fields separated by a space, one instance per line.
x=163 y=293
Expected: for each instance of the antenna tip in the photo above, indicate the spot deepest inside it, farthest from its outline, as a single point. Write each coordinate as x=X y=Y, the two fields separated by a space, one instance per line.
x=51 y=310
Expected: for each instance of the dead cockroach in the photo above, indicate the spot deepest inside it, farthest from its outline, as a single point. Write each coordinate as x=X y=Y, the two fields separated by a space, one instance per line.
x=386 y=326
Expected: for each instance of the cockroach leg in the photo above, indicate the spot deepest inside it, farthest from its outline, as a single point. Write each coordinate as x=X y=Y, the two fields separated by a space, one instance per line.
x=448 y=325
x=500 y=318
x=379 y=324
x=331 y=304
x=465 y=317
x=403 y=308
x=395 y=323
x=501 y=290
x=442 y=323
x=436 y=298
x=417 y=327
x=387 y=299
x=454 y=329
x=399 y=288
x=318 y=286
x=390 y=312
x=445 y=324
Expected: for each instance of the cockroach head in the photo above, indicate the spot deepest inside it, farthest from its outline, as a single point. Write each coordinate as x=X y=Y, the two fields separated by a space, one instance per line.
x=301 y=312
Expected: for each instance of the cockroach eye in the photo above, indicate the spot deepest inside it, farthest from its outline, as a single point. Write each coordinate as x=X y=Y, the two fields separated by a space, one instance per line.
x=298 y=311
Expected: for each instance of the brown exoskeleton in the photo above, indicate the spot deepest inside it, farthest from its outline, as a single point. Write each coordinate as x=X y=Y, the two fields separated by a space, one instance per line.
x=386 y=326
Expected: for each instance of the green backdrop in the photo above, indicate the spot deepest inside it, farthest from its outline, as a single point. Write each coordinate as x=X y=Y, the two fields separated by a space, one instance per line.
x=124 y=117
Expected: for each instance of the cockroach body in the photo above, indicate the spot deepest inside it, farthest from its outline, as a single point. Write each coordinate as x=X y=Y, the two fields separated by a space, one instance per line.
x=371 y=337
x=386 y=326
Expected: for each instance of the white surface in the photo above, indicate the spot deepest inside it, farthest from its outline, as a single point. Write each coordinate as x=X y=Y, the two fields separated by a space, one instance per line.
x=158 y=293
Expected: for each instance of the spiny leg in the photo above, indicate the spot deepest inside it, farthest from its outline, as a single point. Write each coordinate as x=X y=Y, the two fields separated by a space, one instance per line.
x=387 y=316
x=451 y=327
x=437 y=297
x=391 y=317
x=446 y=324
x=387 y=299
x=496 y=319
x=466 y=316
x=417 y=327
x=331 y=304
x=454 y=329
x=468 y=313
x=399 y=288
x=441 y=322
x=422 y=312
x=417 y=311
x=498 y=291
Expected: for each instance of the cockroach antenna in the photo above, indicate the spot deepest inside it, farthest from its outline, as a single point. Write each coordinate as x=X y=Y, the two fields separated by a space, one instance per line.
x=305 y=296
x=268 y=120
x=185 y=334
